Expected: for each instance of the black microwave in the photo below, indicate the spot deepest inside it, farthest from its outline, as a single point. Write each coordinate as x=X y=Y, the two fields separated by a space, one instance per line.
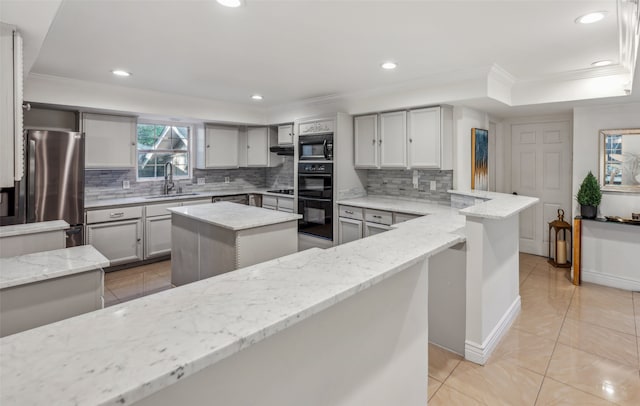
x=316 y=147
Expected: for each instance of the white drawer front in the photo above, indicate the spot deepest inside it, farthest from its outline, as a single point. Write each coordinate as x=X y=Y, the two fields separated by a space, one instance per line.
x=379 y=216
x=350 y=212
x=285 y=204
x=154 y=210
x=194 y=202
x=120 y=213
x=269 y=202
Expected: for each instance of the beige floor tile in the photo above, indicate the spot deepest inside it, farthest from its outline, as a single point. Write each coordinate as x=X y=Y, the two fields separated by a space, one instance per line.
x=446 y=396
x=542 y=324
x=154 y=280
x=109 y=298
x=525 y=350
x=554 y=393
x=497 y=383
x=441 y=362
x=127 y=287
x=433 y=386
x=123 y=273
x=598 y=376
x=605 y=315
x=600 y=341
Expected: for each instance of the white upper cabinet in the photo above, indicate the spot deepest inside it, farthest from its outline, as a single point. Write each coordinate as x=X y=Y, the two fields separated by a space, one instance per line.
x=424 y=143
x=221 y=146
x=393 y=138
x=285 y=134
x=11 y=153
x=110 y=141
x=257 y=146
x=366 y=141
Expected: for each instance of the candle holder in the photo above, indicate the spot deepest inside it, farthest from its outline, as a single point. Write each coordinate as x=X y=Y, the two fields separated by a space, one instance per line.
x=559 y=260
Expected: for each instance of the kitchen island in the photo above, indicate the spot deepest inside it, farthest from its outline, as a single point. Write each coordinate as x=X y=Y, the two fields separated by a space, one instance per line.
x=214 y=238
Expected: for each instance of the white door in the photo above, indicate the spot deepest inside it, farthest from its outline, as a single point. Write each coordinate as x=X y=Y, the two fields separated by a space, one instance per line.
x=541 y=167
x=366 y=141
x=393 y=140
x=349 y=230
x=424 y=138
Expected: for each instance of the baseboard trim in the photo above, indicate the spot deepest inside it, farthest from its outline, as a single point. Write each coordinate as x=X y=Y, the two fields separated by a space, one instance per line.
x=612 y=281
x=479 y=353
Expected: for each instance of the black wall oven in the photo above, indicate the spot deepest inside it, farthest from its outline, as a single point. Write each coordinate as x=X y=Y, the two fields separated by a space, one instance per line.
x=315 y=199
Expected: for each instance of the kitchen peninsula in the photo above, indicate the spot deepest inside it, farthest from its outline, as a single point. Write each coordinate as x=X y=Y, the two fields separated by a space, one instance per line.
x=214 y=238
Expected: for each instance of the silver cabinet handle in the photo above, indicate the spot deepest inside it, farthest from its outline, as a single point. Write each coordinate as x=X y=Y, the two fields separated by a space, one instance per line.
x=114 y=215
x=380 y=141
x=377 y=217
x=208 y=146
x=348 y=211
x=374 y=141
x=410 y=140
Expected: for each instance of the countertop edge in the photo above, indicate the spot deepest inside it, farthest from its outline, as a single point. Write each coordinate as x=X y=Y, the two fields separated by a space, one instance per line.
x=33 y=228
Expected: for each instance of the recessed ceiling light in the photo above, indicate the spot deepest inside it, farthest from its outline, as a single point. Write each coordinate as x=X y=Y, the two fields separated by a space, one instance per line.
x=120 y=72
x=256 y=97
x=230 y=3
x=591 y=17
x=389 y=65
x=602 y=63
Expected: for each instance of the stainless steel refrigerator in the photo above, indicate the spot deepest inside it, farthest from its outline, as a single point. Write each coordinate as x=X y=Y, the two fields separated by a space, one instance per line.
x=55 y=180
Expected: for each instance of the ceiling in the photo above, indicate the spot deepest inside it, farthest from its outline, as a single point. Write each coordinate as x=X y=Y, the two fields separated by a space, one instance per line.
x=291 y=51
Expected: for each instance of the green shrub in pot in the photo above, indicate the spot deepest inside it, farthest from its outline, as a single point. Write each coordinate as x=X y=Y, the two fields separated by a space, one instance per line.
x=589 y=196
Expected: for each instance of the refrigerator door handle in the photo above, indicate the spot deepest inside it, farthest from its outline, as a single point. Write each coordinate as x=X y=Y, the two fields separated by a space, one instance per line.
x=31 y=183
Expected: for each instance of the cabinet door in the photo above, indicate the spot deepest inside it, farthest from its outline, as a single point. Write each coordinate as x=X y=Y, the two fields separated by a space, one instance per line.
x=258 y=146
x=373 y=229
x=221 y=149
x=366 y=141
x=424 y=138
x=349 y=230
x=119 y=241
x=393 y=140
x=110 y=141
x=285 y=134
x=157 y=236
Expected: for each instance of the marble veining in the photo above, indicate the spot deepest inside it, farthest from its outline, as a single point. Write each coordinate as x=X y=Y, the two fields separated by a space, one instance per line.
x=234 y=216
x=126 y=352
x=33 y=228
x=45 y=265
x=500 y=205
x=403 y=205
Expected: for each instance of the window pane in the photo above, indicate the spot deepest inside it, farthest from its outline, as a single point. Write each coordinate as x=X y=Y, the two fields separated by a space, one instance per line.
x=180 y=137
x=146 y=135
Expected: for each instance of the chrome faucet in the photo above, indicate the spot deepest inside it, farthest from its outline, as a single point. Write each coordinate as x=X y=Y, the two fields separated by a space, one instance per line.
x=168 y=178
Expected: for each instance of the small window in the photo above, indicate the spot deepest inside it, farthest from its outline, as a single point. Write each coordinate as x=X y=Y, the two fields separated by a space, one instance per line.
x=159 y=144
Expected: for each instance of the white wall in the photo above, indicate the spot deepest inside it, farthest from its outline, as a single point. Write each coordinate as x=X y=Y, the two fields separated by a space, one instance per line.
x=587 y=122
x=464 y=119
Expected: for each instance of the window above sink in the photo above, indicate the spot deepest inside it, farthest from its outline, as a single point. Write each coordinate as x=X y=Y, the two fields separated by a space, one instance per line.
x=159 y=143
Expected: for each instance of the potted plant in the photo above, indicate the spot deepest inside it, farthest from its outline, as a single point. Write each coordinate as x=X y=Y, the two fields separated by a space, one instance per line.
x=589 y=196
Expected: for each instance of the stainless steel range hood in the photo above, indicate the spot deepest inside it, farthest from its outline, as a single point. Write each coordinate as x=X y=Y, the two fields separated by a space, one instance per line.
x=282 y=149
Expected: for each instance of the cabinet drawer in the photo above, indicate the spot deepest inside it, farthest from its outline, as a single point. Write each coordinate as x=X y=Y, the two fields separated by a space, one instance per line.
x=285 y=204
x=269 y=202
x=120 y=213
x=194 y=202
x=402 y=217
x=351 y=212
x=379 y=216
x=154 y=210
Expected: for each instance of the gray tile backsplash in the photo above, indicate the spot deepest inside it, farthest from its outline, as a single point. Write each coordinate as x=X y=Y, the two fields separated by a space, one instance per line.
x=107 y=184
x=400 y=183
x=281 y=176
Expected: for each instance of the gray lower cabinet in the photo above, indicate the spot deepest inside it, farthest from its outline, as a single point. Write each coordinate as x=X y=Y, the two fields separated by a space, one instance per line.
x=119 y=241
x=157 y=236
x=349 y=230
x=374 y=228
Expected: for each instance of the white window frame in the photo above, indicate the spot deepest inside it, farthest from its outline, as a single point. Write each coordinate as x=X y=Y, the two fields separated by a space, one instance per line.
x=189 y=149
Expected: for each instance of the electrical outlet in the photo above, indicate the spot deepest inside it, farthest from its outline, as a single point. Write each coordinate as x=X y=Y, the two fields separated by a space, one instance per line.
x=432 y=185
x=125 y=184
x=200 y=181
x=226 y=179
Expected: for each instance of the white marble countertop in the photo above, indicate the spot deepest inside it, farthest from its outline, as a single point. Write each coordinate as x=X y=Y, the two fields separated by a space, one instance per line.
x=234 y=216
x=410 y=206
x=124 y=353
x=45 y=265
x=137 y=200
x=33 y=228
x=499 y=205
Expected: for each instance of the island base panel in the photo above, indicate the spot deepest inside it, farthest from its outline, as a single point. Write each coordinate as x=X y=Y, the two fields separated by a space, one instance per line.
x=370 y=349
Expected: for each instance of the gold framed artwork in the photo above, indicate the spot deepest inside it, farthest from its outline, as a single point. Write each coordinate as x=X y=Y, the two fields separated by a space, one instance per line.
x=479 y=159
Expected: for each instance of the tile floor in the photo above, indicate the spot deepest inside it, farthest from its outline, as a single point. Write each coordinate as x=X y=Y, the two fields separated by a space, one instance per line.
x=569 y=345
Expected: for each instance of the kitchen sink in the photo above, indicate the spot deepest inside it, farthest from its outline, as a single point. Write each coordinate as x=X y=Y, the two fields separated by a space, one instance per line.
x=171 y=196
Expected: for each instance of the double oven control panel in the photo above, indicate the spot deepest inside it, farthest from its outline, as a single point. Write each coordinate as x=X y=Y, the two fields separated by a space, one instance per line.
x=319 y=168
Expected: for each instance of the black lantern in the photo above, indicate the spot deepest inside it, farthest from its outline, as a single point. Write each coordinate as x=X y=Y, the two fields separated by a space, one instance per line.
x=560 y=241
